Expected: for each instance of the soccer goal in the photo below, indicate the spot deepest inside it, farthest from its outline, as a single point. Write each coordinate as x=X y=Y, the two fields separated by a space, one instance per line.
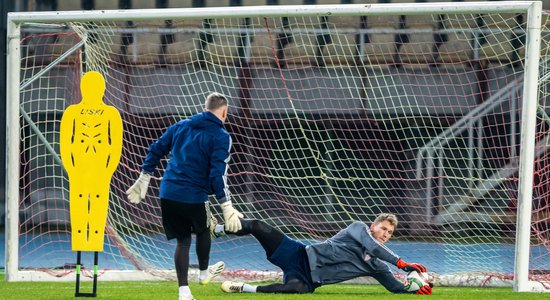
x=434 y=111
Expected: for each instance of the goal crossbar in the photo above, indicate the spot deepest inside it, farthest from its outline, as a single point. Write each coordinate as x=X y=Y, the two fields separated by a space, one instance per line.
x=373 y=9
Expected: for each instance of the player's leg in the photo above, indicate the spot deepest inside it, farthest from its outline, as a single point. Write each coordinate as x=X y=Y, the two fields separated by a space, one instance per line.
x=202 y=247
x=200 y=216
x=181 y=259
x=177 y=226
x=283 y=252
x=206 y=273
x=292 y=286
x=269 y=237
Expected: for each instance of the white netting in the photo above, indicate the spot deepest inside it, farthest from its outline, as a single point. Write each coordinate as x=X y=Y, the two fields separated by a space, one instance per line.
x=333 y=119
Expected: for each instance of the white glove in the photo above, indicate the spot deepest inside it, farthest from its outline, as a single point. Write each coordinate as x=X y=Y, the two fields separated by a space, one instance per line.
x=231 y=217
x=137 y=192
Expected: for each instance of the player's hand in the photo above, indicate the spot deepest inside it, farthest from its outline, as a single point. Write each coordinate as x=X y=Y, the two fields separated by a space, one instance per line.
x=231 y=217
x=425 y=290
x=401 y=264
x=137 y=192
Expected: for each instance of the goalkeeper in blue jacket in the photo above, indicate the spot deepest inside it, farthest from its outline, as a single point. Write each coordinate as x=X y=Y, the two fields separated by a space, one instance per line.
x=355 y=251
x=199 y=150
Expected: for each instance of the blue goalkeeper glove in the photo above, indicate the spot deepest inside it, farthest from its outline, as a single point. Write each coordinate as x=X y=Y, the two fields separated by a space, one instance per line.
x=401 y=264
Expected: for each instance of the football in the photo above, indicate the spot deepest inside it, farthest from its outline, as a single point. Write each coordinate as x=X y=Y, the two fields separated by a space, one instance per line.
x=414 y=281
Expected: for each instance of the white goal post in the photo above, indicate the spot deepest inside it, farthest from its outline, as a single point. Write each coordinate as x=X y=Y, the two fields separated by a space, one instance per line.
x=434 y=111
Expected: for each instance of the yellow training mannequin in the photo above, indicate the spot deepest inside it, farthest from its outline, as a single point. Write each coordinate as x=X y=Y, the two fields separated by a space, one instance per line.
x=90 y=146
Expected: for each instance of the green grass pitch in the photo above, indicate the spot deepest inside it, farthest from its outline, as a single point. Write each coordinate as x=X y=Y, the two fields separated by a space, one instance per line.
x=160 y=290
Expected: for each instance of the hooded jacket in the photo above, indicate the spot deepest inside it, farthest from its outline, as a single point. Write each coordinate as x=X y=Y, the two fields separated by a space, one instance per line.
x=199 y=150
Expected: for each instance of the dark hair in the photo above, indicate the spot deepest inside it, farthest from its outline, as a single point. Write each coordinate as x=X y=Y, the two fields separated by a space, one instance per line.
x=215 y=101
x=386 y=217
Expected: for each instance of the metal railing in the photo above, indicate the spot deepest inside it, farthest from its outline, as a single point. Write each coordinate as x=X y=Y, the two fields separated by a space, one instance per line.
x=430 y=158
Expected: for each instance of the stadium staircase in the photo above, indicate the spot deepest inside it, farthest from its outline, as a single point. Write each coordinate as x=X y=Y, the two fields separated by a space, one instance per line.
x=446 y=199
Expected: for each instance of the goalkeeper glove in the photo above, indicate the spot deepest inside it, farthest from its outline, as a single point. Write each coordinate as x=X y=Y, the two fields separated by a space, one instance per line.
x=231 y=217
x=137 y=192
x=401 y=264
x=425 y=290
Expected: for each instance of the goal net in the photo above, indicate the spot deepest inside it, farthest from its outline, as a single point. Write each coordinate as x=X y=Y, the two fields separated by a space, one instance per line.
x=337 y=113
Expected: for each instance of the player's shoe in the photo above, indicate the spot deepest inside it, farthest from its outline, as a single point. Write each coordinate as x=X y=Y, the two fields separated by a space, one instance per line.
x=213 y=271
x=186 y=297
x=232 y=287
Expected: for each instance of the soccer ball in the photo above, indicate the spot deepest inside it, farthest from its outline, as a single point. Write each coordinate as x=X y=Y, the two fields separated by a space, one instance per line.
x=414 y=281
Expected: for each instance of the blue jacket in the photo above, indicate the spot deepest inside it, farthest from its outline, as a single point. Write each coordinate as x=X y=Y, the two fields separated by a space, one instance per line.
x=199 y=153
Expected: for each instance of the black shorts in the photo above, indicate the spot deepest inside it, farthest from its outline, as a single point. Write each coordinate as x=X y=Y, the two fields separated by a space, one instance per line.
x=181 y=219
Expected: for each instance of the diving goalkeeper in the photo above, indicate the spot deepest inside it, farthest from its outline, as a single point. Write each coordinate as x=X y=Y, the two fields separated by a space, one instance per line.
x=355 y=251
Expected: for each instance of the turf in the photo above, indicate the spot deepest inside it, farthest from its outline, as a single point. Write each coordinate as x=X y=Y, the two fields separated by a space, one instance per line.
x=160 y=290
